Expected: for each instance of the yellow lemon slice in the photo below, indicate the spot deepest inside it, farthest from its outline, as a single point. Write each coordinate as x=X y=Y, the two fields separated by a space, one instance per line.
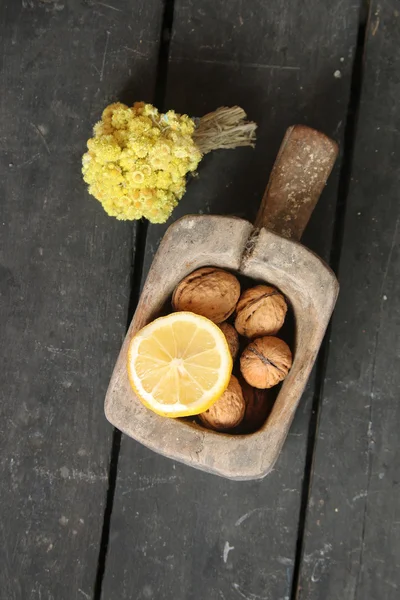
x=179 y=365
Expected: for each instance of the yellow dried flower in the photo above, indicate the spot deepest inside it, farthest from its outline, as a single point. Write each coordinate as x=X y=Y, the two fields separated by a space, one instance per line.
x=138 y=159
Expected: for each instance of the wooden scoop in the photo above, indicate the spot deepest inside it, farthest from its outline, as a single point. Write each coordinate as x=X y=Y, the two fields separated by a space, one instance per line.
x=268 y=252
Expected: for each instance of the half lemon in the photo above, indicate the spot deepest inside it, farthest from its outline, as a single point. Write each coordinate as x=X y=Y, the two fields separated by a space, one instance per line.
x=179 y=365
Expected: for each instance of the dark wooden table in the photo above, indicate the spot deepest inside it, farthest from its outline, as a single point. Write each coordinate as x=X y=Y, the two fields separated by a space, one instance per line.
x=86 y=514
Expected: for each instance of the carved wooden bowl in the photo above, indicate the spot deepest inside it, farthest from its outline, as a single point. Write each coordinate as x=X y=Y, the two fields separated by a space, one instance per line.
x=304 y=162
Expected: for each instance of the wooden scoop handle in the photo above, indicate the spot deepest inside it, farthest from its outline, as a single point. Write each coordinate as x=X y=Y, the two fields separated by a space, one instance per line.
x=302 y=167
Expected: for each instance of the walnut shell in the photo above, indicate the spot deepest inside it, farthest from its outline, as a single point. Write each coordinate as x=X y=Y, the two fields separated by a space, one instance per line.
x=228 y=411
x=232 y=338
x=210 y=292
x=261 y=310
x=265 y=362
x=259 y=404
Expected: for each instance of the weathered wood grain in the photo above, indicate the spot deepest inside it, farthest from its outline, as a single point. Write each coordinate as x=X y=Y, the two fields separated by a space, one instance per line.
x=173 y=527
x=64 y=283
x=352 y=543
x=299 y=175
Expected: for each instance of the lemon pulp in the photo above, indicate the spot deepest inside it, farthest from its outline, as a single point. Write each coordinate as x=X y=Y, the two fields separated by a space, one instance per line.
x=179 y=365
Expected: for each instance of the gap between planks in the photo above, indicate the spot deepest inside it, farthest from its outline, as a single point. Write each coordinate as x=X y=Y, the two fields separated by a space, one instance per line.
x=138 y=254
x=335 y=254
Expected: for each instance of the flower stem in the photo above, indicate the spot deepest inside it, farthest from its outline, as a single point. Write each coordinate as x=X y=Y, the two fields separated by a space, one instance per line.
x=224 y=128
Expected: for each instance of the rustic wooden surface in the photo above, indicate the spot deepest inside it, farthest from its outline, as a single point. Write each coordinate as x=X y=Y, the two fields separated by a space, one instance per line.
x=175 y=532
x=352 y=544
x=64 y=284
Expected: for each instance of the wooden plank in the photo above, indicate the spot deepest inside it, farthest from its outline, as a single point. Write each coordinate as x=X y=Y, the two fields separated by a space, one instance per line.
x=352 y=543
x=64 y=284
x=176 y=532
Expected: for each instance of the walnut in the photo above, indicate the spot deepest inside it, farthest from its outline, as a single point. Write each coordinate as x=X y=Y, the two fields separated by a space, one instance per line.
x=210 y=292
x=261 y=310
x=265 y=362
x=228 y=411
x=232 y=338
x=259 y=404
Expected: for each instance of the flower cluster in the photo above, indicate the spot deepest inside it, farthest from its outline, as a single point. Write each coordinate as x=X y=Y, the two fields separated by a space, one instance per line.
x=137 y=161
